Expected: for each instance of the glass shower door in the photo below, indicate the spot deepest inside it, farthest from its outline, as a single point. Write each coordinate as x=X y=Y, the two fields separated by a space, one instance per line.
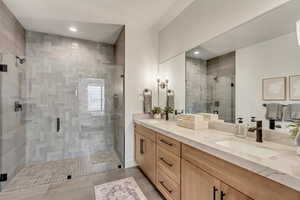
x=70 y=111
x=12 y=132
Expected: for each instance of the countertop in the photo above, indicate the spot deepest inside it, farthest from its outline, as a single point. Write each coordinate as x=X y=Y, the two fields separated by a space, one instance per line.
x=279 y=163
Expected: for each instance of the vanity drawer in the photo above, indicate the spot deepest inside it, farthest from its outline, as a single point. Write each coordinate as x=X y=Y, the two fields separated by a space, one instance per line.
x=169 y=144
x=169 y=188
x=148 y=133
x=169 y=163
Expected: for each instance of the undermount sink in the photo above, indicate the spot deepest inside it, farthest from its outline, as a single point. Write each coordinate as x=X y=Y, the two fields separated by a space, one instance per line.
x=250 y=149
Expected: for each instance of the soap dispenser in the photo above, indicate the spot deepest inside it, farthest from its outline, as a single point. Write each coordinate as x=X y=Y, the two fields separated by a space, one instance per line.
x=242 y=129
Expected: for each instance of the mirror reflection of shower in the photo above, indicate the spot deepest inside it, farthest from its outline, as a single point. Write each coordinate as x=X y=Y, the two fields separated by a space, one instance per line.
x=210 y=85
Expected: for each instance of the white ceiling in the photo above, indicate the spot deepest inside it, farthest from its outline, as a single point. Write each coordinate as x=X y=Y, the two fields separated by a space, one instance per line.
x=106 y=33
x=273 y=24
x=55 y=16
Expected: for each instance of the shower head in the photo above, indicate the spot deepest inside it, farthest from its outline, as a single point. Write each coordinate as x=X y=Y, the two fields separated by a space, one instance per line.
x=20 y=60
x=216 y=78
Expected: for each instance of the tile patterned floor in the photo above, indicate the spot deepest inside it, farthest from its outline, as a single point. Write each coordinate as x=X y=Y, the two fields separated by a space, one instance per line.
x=57 y=171
x=82 y=188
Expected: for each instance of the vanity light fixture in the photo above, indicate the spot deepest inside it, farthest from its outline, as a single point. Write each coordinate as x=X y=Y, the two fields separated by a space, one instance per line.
x=196 y=52
x=73 y=29
x=298 y=32
x=161 y=85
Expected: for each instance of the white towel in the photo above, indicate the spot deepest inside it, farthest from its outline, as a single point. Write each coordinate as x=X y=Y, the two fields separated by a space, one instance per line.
x=274 y=111
x=292 y=112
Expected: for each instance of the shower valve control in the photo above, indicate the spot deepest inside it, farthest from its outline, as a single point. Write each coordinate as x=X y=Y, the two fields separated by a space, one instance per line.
x=18 y=106
x=3 y=177
x=3 y=68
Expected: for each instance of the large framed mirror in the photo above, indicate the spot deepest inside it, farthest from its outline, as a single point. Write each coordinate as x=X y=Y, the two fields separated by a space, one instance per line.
x=226 y=74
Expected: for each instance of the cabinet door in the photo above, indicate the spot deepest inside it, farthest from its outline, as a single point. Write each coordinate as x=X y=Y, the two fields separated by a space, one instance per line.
x=149 y=165
x=145 y=155
x=196 y=184
x=229 y=193
x=139 y=149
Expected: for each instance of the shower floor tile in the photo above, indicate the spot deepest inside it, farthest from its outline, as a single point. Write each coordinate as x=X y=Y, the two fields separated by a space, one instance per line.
x=58 y=171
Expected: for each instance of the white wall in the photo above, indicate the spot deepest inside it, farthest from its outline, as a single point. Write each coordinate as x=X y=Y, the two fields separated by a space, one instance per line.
x=274 y=58
x=174 y=70
x=205 y=19
x=141 y=65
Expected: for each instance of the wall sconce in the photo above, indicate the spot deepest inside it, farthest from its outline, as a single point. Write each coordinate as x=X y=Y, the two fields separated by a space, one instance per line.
x=161 y=85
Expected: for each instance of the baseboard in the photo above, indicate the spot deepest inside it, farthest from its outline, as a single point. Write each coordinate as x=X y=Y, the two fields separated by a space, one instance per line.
x=130 y=163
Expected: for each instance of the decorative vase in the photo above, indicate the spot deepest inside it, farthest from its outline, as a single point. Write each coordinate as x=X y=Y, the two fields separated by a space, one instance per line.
x=297 y=141
x=157 y=116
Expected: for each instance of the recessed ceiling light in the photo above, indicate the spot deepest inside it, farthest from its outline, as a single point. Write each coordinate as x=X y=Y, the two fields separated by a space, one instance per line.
x=196 y=52
x=73 y=29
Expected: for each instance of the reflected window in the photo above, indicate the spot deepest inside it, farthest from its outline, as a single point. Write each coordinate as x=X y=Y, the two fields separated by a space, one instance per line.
x=96 y=100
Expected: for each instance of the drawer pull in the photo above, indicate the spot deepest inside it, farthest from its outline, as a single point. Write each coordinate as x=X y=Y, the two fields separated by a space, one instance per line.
x=166 y=162
x=163 y=184
x=142 y=146
x=214 y=192
x=167 y=143
x=222 y=195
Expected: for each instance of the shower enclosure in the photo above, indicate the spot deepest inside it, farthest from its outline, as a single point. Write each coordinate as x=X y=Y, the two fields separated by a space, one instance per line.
x=71 y=109
x=210 y=86
x=12 y=124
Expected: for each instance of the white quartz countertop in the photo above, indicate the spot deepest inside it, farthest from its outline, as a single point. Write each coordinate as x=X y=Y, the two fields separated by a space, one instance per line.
x=277 y=162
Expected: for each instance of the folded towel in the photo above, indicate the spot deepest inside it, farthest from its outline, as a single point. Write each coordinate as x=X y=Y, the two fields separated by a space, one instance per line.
x=171 y=101
x=147 y=103
x=292 y=112
x=274 y=111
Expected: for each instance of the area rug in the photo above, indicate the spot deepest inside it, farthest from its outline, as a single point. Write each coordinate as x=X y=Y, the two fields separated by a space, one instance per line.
x=124 y=189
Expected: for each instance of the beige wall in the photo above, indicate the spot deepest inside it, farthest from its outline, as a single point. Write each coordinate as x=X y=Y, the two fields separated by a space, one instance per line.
x=205 y=19
x=141 y=64
x=174 y=71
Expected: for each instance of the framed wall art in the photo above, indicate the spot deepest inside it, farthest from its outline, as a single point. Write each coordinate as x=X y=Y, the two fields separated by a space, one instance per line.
x=295 y=88
x=274 y=89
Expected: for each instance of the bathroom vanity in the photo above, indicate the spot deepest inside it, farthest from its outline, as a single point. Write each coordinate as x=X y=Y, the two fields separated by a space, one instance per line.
x=211 y=164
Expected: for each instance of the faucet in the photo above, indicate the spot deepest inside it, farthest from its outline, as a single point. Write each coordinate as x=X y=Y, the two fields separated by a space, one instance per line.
x=259 y=134
x=258 y=129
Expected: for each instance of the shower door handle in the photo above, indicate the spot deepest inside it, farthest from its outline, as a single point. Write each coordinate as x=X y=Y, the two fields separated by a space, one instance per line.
x=58 y=124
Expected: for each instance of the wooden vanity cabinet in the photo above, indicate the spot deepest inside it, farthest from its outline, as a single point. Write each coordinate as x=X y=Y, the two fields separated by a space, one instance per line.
x=196 y=184
x=182 y=172
x=229 y=193
x=145 y=151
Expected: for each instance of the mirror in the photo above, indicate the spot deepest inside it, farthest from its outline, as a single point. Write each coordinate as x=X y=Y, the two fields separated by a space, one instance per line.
x=242 y=72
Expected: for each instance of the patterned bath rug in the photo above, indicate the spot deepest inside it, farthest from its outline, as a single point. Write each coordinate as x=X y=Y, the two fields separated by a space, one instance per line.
x=124 y=189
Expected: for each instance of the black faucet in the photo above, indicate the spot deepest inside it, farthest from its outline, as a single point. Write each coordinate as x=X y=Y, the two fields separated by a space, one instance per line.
x=258 y=129
x=259 y=134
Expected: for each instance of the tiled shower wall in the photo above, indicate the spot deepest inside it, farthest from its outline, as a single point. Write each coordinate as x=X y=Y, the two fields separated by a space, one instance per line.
x=221 y=86
x=58 y=73
x=210 y=86
x=12 y=131
x=196 y=85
